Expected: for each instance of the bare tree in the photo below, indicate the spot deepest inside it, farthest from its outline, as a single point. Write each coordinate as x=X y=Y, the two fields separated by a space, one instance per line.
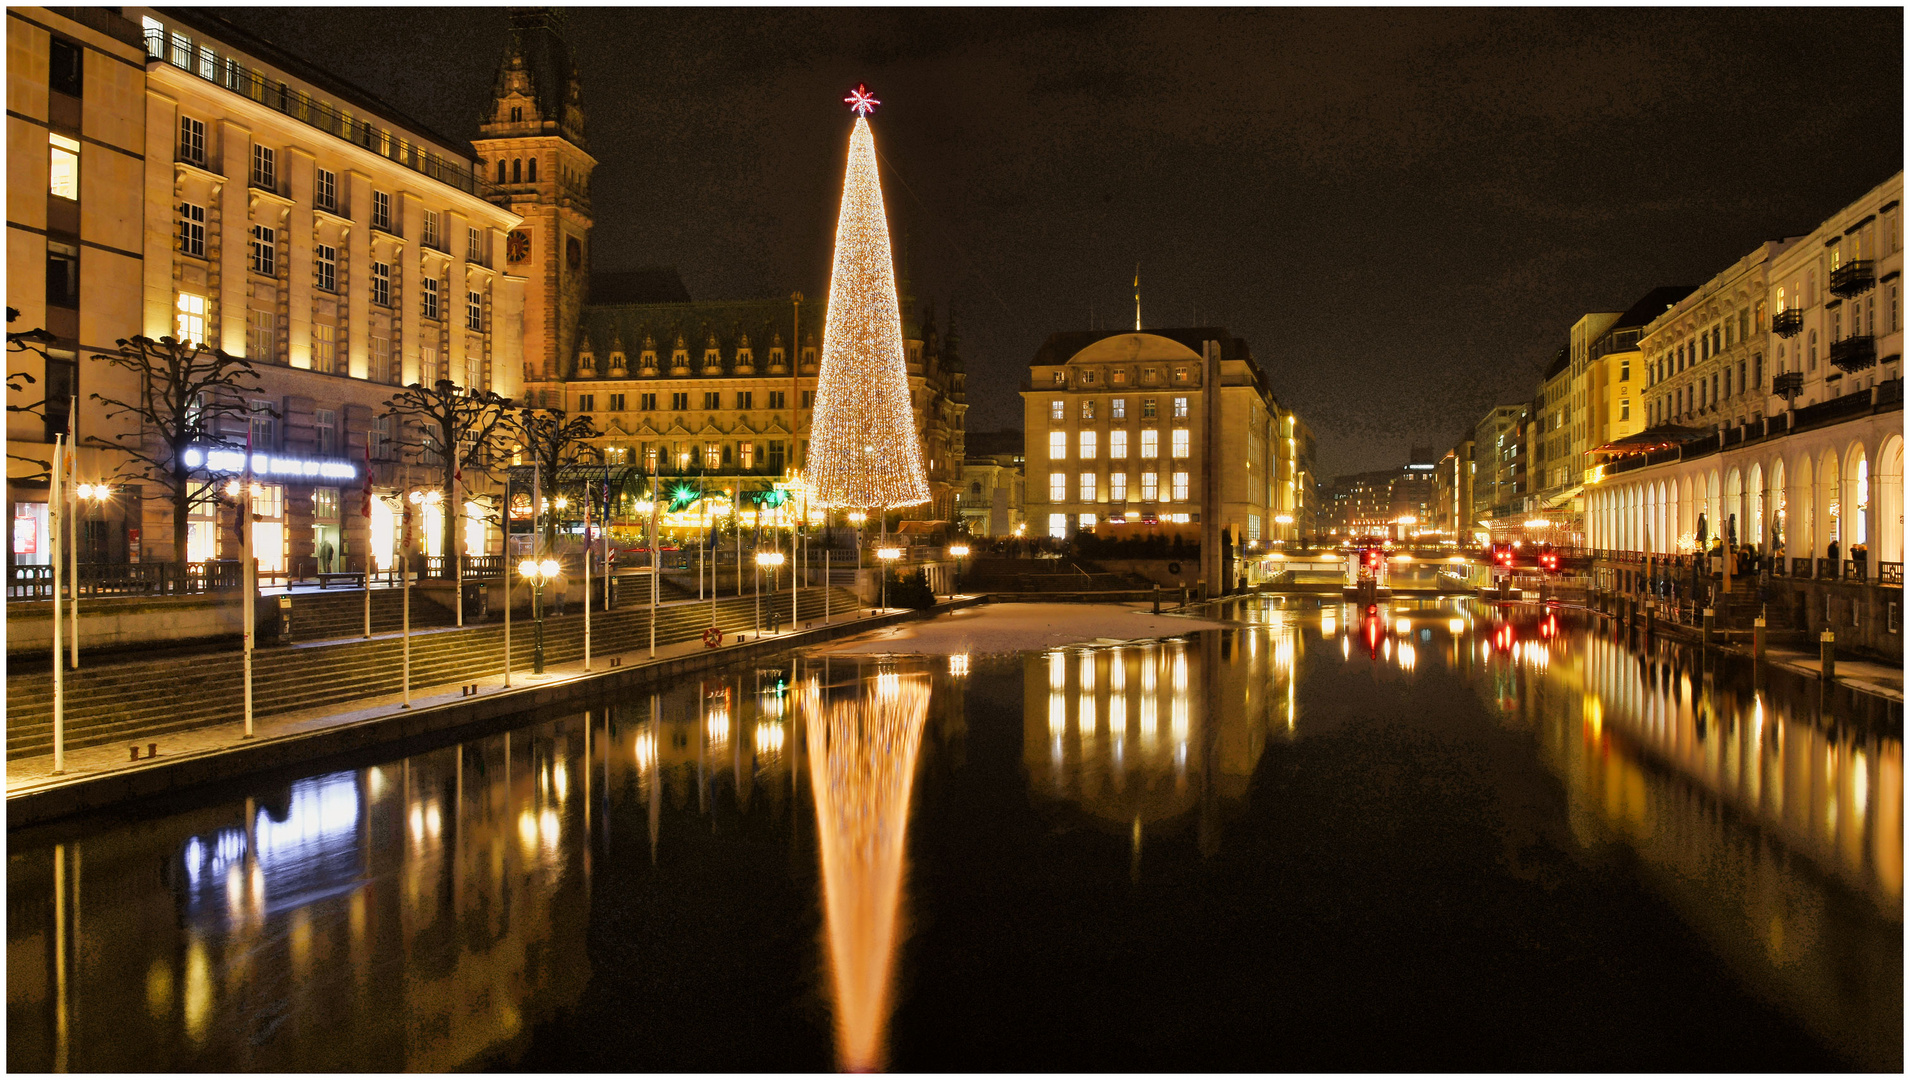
x=26 y=341
x=553 y=439
x=448 y=428
x=189 y=396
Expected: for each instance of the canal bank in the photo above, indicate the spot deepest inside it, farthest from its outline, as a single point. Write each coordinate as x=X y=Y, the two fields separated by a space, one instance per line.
x=102 y=777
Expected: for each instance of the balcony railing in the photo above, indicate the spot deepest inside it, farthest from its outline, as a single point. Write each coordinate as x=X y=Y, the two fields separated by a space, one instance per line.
x=125 y=579
x=1890 y=574
x=226 y=71
x=1801 y=567
x=1788 y=385
x=1787 y=323
x=1853 y=278
x=1854 y=353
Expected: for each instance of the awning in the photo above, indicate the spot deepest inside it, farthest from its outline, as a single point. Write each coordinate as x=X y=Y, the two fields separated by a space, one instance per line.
x=1662 y=437
x=1557 y=502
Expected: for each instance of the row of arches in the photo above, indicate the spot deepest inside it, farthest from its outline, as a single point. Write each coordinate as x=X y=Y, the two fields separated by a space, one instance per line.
x=518 y=172
x=1797 y=504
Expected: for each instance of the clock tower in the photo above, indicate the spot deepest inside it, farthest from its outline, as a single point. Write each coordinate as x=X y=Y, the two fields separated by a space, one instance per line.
x=532 y=151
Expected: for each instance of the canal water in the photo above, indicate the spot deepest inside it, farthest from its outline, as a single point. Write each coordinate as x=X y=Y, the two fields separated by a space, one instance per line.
x=1437 y=835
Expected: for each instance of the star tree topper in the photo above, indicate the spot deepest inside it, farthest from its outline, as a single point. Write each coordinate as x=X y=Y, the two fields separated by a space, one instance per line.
x=861 y=100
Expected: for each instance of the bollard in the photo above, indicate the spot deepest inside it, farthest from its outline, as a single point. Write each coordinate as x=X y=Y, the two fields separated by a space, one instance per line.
x=135 y=749
x=1757 y=639
x=1157 y=598
x=1827 y=655
x=152 y=749
x=1200 y=588
x=1707 y=628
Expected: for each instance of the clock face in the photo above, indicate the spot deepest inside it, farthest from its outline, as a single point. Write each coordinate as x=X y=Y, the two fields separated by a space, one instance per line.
x=573 y=253
x=517 y=247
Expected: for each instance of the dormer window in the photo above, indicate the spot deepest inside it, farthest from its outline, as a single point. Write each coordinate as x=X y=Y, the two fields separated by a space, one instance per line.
x=1060 y=378
x=1087 y=378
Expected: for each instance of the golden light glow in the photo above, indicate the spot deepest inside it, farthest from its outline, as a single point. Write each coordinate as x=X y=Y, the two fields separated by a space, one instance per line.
x=863 y=447
x=862 y=754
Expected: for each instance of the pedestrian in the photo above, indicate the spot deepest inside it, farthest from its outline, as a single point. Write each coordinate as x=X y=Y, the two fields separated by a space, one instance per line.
x=1831 y=554
x=325 y=556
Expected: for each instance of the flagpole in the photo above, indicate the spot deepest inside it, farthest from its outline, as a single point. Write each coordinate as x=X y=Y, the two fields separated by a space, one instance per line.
x=586 y=582
x=506 y=560
x=74 y=526
x=404 y=576
x=54 y=508
x=251 y=579
x=364 y=509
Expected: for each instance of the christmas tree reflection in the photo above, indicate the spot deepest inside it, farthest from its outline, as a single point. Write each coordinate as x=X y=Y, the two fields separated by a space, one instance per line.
x=862 y=753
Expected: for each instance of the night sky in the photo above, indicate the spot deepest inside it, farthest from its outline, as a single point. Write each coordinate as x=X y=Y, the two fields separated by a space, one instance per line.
x=1401 y=211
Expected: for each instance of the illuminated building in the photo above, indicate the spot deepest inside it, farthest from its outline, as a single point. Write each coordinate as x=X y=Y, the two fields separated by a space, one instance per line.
x=994 y=481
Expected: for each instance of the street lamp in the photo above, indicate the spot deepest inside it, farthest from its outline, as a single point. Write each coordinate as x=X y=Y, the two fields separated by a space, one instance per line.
x=538 y=574
x=887 y=555
x=959 y=551
x=770 y=559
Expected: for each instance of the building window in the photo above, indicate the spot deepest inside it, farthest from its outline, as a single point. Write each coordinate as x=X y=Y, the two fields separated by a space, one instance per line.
x=431 y=238
x=325 y=189
x=265 y=426
x=189 y=319
x=429 y=297
x=325 y=432
x=647 y=402
x=1180 y=374
x=617 y=402
x=1119 y=377
x=745 y=399
x=381 y=284
x=1118 y=407
x=381 y=210
x=1058 y=526
x=1057 y=409
x=62 y=275
x=775 y=456
x=1060 y=378
x=1058 y=487
x=712 y=399
x=1813 y=350
x=778 y=399
x=473 y=246
x=378 y=438
x=64 y=72
x=1147 y=408
x=192 y=230
x=1624 y=371
x=1087 y=487
x=1117 y=443
x=192 y=141
x=1088 y=447
x=809 y=398
x=1180 y=487
x=1624 y=410
x=680 y=400
x=264 y=251
x=586 y=403
x=264 y=167
x=260 y=331
x=1181 y=442
x=428 y=364
x=324 y=347
x=1150 y=486
x=1087 y=408
x=1057 y=445
x=1117 y=487
x=326 y=275
x=380 y=366
x=474 y=311
x=1150 y=444
x=64 y=172
x=1180 y=408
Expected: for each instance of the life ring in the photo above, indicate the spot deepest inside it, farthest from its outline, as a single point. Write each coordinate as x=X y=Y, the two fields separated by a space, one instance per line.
x=1173 y=568
x=712 y=638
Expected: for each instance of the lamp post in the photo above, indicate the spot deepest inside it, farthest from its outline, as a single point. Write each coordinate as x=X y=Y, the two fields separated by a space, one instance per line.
x=538 y=574
x=771 y=560
x=856 y=518
x=888 y=555
x=959 y=551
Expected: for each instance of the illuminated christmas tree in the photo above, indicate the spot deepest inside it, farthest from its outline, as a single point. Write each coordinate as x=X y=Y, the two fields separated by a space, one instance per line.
x=863 y=446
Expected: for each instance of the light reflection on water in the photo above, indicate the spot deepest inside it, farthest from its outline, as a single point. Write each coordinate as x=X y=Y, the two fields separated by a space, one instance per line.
x=426 y=913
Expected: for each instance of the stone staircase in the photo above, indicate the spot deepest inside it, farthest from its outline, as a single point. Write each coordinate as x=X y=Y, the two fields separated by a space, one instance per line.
x=138 y=701
x=329 y=615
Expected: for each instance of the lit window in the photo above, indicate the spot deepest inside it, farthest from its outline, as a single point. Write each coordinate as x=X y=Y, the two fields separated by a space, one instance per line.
x=1058 y=526
x=1117 y=443
x=65 y=174
x=1057 y=487
x=1088 y=447
x=1087 y=408
x=261 y=334
x=1088 y=521
x=1150 y=486
x=1057 y=445
x=324 y=347
x=1087 y=487
x=190 y=319
x=1180 y=487
x=1057 y=409
x=1181 y=442
x=1150 y=444
x=1118 y=407
x=1117 y=487
x=1180 y=408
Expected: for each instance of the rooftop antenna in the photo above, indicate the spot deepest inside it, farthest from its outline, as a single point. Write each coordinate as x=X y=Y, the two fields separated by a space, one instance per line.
x=1137 y=297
